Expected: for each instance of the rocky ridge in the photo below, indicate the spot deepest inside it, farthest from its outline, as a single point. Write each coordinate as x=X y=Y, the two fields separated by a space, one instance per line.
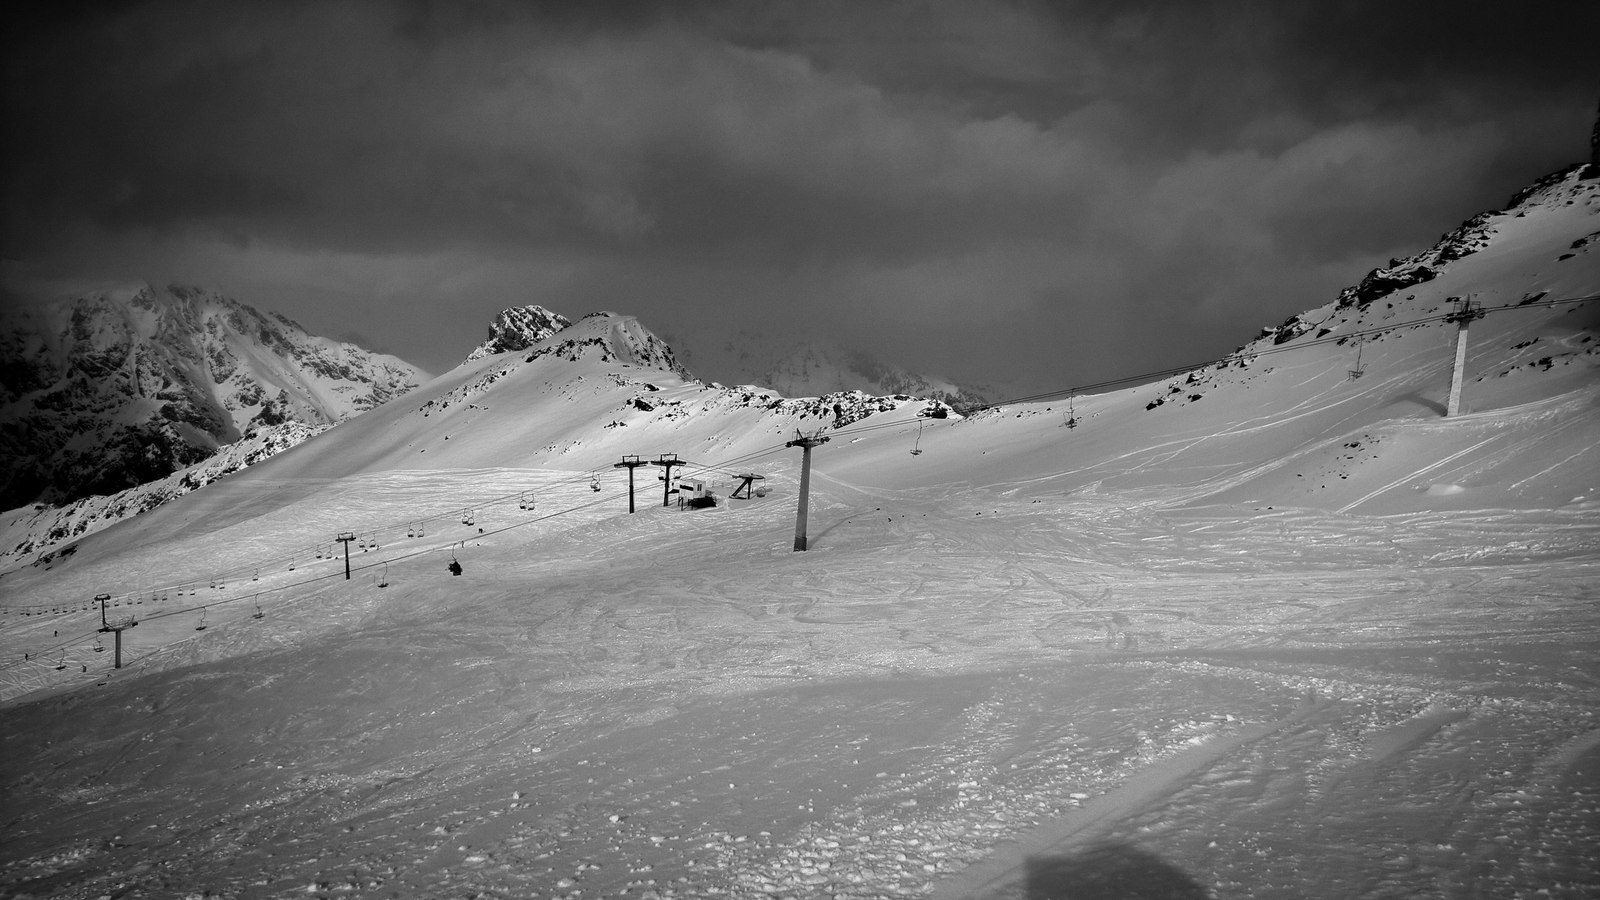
x=114 y=389
x=518 y=328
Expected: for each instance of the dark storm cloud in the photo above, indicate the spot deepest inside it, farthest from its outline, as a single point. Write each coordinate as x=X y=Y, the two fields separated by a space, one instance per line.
x=994 y=191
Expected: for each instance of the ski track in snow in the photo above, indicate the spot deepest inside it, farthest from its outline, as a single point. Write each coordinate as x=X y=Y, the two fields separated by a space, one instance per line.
x=1041 y=688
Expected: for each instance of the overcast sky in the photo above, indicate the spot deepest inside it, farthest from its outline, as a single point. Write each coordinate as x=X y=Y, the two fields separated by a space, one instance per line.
x=1031 y=195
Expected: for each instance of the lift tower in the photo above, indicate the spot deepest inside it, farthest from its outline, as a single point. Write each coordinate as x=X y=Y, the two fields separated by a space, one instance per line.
x=668 y=460
x=114 y=626
x=805 y=444
x=631 y=463
x=345 y=537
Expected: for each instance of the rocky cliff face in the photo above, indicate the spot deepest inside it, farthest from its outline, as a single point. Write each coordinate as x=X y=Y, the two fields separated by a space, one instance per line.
x=519 y=328
x=111 y=390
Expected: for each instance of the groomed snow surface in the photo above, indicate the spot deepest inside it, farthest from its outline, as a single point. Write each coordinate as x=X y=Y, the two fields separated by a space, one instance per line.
x=954 y=692
x=1288 y=633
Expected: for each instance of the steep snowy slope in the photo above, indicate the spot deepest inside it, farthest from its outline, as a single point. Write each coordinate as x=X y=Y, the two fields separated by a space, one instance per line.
x=1284 y=422
x=38 y=529
x=1285 y=632
x=581 y=399
x=114 y=389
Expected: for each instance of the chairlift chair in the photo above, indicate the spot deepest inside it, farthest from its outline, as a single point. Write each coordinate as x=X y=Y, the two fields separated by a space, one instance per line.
x=202 y=625
x=258 y=613
x=383 y=582
x=594 y=483
x=1357 y=372
x=916 y=449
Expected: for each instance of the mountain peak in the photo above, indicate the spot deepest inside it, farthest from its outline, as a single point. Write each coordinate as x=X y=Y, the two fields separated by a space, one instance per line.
x=518 y=328
x=617 y=337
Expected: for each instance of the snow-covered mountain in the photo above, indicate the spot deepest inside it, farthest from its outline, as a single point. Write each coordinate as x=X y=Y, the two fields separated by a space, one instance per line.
x=1277 y=626
x=107 y=391
x=807 y=368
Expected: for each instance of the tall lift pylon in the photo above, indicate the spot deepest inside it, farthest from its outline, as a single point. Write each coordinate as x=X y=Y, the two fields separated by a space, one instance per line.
x=114 y=626
x=805 y=444
x=630 y=463
x=668 y=460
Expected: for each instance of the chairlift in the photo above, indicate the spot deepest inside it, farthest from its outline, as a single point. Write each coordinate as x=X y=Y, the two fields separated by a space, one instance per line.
x=384 y=581
x=98 y=646
x=202 y=625
x=455 y=564
x=291 y=564
x=62 y=664
x=594 y=483
x=411 y=531
x=258 y=613
x=467 y=517
x=1357 y=372
x=1072 y=415
x=256 y=576
x=916 y=449
x=524 y=502
x=422 y=530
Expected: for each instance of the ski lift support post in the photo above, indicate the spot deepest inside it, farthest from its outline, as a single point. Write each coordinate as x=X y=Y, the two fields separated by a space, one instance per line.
x=115 y=627
x=631 y=463
x=1462 y=317
x=668 y=460
x=345 y=537
x=747 y=484
x=805 y=444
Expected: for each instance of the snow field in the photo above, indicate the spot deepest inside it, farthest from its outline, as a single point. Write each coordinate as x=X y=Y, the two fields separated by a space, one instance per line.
x=674 y=704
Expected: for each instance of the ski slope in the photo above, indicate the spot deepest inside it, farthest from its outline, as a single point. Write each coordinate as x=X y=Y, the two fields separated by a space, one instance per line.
x=1286 y=633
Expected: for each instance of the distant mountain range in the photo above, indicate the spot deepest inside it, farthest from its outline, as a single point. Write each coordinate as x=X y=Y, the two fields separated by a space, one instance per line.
x=811 y=369
x=116 y=403
x=111 y=390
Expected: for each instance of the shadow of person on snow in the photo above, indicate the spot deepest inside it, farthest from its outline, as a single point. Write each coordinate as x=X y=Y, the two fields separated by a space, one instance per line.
x=1108 y=871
